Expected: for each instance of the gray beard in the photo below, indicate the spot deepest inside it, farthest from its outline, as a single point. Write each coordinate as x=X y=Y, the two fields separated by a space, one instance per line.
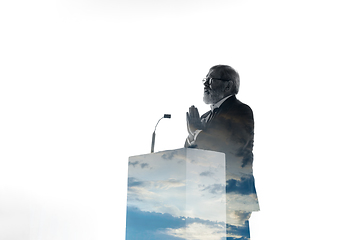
x=211 y=98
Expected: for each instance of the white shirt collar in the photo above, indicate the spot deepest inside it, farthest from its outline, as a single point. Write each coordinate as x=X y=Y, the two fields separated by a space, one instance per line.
x=218 y=104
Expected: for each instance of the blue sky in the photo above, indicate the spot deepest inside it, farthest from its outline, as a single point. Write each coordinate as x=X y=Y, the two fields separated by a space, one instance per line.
x=173 y=184
x=152 y=225
x=181 y=193
x=83 y=83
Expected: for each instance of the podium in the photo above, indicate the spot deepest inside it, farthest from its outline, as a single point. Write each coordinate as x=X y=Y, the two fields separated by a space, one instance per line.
x=176 y=194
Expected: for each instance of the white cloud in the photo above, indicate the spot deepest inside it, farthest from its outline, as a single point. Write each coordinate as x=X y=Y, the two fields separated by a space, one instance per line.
x=236 y=202
x=199 y=231
x=169 y=183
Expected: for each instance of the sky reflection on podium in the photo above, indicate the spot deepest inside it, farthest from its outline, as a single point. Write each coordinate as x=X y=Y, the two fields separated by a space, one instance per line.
x=177 y=194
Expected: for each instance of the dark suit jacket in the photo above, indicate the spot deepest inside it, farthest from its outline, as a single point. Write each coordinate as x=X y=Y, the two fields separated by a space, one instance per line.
x=231 y=131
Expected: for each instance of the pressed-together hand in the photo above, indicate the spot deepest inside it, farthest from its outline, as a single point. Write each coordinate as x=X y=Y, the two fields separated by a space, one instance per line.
x=193 y=120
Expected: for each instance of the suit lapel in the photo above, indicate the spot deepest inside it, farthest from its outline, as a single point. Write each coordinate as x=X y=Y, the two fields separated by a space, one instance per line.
x=221 y=110
x=204 y=118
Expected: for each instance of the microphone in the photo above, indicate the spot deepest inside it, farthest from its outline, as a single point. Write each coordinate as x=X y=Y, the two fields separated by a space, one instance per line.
x=153 y=135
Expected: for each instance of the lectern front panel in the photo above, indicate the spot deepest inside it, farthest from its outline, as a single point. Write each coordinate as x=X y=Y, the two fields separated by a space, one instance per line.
x=177 y=194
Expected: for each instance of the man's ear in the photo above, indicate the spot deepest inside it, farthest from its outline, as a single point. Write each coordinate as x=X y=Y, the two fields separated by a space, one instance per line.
x=229 y=86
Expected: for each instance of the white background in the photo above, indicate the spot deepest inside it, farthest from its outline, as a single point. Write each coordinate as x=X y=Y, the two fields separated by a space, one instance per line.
x=83 y=84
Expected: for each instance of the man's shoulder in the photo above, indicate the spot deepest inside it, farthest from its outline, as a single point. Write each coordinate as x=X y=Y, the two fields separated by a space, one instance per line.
x=240 y=107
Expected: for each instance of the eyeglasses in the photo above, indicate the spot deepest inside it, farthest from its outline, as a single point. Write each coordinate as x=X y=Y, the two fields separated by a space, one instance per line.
x=210 y=80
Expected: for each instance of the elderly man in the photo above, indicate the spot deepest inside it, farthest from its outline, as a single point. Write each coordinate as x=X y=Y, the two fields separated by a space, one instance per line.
x=229 y=128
